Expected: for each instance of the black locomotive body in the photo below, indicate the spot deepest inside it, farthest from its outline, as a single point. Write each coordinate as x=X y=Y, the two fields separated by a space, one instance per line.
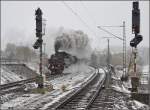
x=59 y=61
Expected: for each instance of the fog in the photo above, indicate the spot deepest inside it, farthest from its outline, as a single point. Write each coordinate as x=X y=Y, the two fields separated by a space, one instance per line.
x=18 y=21
x=73 y=42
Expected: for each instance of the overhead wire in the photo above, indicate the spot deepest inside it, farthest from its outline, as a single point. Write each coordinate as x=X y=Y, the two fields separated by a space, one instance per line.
x=109 y=33
x=94 y=23
x=81 y=20
x=87 y=12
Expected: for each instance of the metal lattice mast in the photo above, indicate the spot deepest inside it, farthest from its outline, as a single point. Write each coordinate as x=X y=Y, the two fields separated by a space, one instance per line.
x=108 y=56
x=124 y=49
x=124 y=43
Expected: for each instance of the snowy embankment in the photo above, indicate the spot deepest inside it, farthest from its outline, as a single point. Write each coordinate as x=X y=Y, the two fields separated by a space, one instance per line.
x=8 y=76
x=118 y=85
x=145 y=75
x=35 y=67
x=79 y=74
x=122 y=87
x=145 y=69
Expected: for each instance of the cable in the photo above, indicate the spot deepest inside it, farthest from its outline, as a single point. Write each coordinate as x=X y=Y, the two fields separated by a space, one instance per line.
x=88 y=14
x=94 y=23
x=83 y=22
x=110 y=33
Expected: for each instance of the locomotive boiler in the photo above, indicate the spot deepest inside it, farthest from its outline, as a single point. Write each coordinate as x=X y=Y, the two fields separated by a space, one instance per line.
x=59 y=61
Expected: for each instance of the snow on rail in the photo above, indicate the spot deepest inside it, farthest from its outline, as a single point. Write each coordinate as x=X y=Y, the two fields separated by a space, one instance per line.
x=8 y=76
x=80 y=74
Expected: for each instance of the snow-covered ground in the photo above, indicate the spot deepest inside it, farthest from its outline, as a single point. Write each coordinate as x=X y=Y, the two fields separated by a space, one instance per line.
x=123 y=88
x=79 y=74
x=145 y=69
x=120 y=88
x=139 y=105
x=8 y=76
x=145 y=75
x=34 y=66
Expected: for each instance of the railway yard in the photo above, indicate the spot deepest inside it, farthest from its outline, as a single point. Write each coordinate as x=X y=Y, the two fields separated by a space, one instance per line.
x=85 y=88
x=54 y=56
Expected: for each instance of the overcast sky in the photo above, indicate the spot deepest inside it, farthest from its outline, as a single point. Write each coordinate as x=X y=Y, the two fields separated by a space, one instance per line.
x=18 y=20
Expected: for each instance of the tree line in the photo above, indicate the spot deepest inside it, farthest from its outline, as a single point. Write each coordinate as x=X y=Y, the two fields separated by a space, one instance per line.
x=100 y=58
x=19 y=52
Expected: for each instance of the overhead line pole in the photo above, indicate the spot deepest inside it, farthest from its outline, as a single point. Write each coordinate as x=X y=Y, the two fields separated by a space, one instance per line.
x=108 y=54
x=108 y=58
x=124 y=49
x=108 y=62
x=124 y=42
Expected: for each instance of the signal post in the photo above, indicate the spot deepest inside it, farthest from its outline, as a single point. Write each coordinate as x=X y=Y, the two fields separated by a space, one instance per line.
x=134 y=42
x=38 y=44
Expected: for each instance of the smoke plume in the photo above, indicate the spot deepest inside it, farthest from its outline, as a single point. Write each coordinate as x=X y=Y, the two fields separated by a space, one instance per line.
x=73 y=42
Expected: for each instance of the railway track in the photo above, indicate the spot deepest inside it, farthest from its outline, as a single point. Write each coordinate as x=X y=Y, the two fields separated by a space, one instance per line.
x=82 y=98
x=108 y=99
x=22 y=68
x=15 y=86
x=104 y=100
x=18 y=85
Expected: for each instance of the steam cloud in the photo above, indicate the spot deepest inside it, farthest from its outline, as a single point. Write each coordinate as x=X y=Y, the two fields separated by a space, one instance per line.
x=73 y=42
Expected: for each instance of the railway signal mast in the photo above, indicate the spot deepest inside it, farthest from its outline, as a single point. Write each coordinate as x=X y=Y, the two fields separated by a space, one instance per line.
x=38 y=43
x=135 y=41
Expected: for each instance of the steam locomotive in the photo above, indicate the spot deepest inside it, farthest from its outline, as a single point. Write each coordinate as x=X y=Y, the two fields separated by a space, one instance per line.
x=59 y=61
x=62 y=59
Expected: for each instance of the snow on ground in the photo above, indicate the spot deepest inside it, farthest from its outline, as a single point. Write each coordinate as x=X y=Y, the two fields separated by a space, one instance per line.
x=35 y=67
x=124 y=103
x=117 y=84
x=145 y=75
x=145 y=68
x=120 y=88
x=136 y=105
x=139 y=105
x=79 y=74
x=19 y=100
x=118 y=74
x=8 y=76
x=100 y=70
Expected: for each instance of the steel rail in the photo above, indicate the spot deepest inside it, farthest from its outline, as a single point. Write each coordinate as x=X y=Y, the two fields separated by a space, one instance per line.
x=93 y=94
x=68 y=98
x=17 y=83
x=101 y=83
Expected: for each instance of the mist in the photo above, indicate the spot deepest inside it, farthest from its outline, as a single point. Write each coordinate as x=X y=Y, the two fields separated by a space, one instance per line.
x=75 y=42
